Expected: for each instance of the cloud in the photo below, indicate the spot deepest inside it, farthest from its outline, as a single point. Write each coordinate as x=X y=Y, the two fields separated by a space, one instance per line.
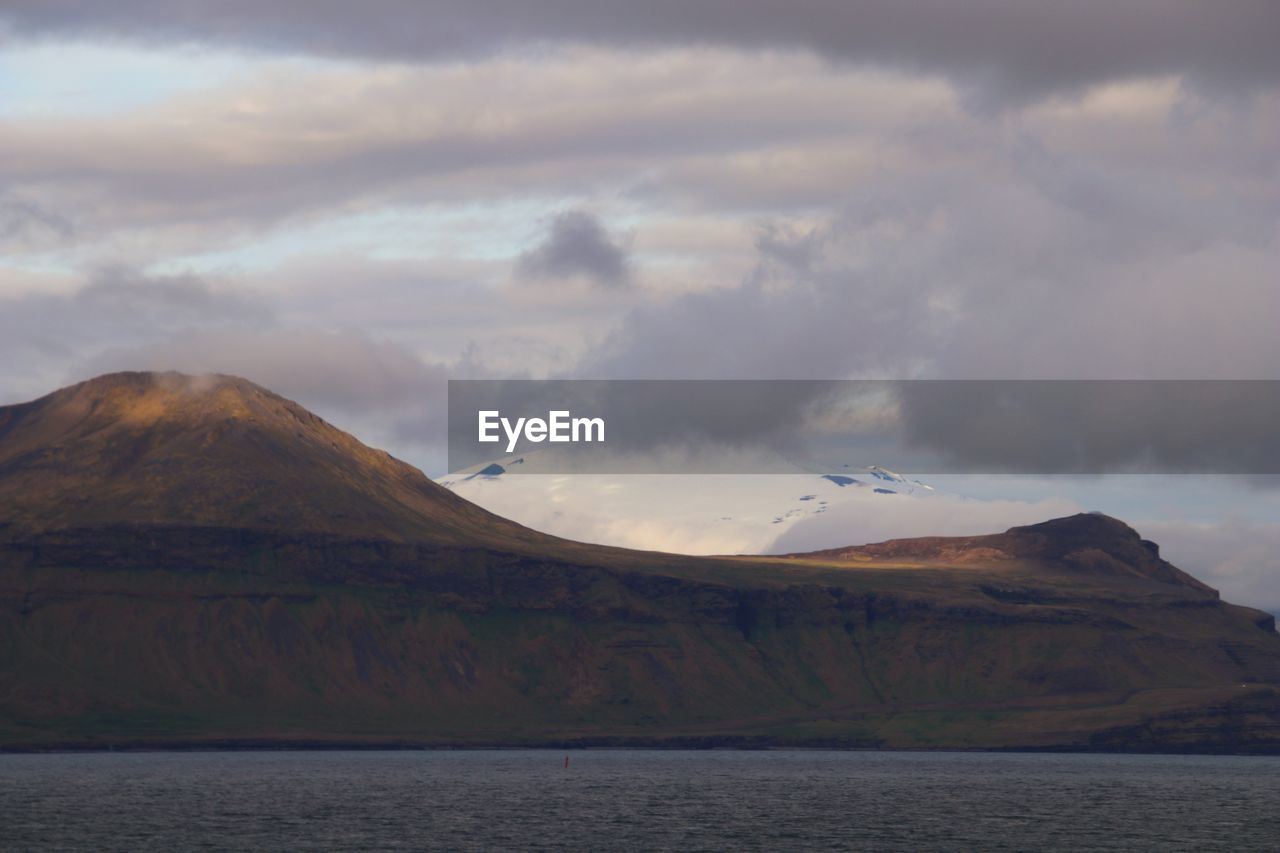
x=382 y=392
x=653 y=137
x=374 y=358
x=1240 y=558
x=218 y=166
x=1086 y=427
x=23 y=223
x=122 y=319
x=163 y=299
x=809 y=312
x=334 y=370
x=577 y=245
x=992 y=189
x=736 y=514
x=443 y=308
x=1081 y=428
x=1014 y=254
x=43 y=334
x=1005 y=51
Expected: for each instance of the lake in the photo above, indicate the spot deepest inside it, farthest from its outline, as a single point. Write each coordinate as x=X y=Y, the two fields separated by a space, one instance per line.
x=648 y=799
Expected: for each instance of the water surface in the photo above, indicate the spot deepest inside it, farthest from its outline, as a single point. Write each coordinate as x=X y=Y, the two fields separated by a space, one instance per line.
x=649 y=799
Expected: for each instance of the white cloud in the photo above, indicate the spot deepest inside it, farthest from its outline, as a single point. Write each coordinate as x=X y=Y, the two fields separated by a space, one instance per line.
x=1238 y=557
x=801 y=198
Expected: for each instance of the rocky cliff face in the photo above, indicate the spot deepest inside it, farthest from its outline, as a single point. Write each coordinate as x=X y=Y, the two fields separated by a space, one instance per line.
x=203 y=562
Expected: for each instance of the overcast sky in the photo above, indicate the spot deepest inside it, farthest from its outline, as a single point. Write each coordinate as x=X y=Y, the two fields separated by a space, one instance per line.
x=352 y=202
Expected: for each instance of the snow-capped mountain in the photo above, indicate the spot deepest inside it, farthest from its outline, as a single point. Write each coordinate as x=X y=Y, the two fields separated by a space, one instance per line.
x=690 y=513
x=882 y=480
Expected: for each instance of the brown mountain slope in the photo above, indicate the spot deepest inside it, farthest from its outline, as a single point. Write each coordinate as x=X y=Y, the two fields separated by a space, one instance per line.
x=192 y=561
x=1088 y=544
x=213 y=451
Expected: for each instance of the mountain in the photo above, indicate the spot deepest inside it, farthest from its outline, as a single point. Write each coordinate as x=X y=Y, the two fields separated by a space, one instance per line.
x=1087 y=543
x=212 y=451
x=694 y=513
x=198 y=562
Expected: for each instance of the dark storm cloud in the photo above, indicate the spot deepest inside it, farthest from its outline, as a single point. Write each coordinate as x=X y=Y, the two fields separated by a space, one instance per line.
x=1010 y=50
x=576 y=245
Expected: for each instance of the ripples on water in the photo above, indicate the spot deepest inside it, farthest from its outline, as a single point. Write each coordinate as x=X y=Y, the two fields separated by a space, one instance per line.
x=776 y=800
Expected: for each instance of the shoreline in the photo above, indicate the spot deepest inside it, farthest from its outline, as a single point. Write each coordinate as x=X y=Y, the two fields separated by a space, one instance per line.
x=680 y=745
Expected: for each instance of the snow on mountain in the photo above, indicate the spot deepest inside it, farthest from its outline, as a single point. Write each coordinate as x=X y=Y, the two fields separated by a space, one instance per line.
x=814 y=508
x=687 y=513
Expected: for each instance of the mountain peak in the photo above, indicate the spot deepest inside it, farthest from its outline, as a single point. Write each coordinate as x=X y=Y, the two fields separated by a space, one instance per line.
x=151 y=449
x=1094 y=527
x=142 y=398
x=1090 y=543
x=169 y=381
x=1094 y=542
x=1095 y=531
